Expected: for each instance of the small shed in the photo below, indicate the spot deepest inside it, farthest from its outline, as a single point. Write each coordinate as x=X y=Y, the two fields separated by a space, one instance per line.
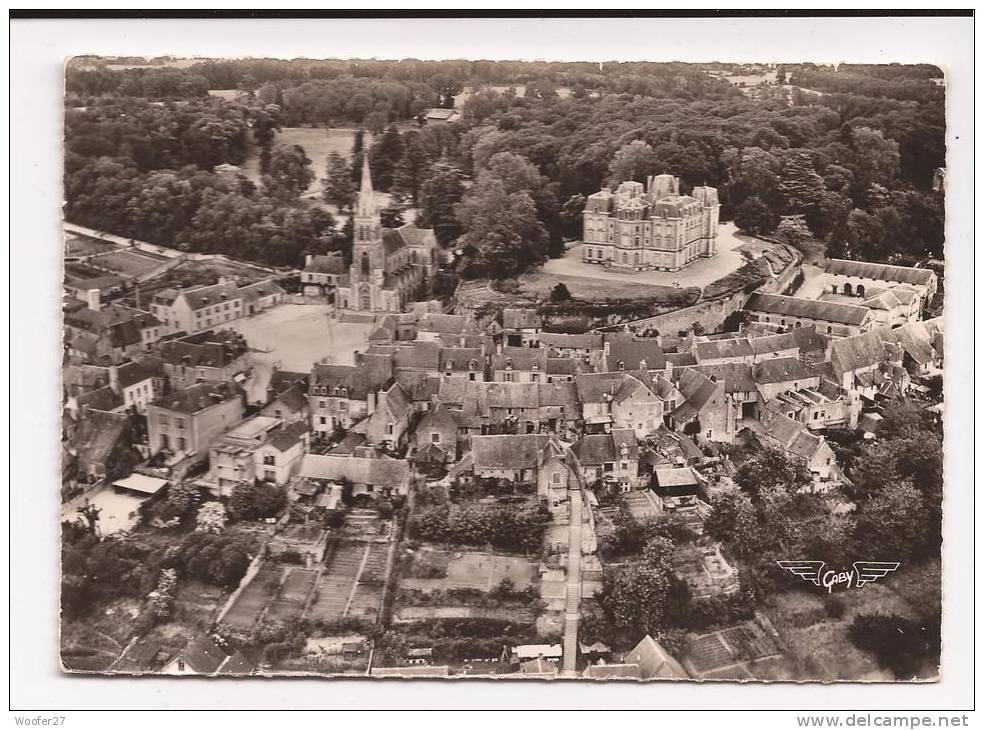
x=140 y=485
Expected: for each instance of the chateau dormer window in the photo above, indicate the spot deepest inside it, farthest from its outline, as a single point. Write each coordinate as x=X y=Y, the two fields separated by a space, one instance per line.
x=621 y=365
x=472 y=364
x=508 y=363
x=536 y=365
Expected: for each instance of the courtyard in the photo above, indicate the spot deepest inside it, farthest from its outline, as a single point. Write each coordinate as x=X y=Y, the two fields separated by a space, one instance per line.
x=294 y=337
x=734 y=249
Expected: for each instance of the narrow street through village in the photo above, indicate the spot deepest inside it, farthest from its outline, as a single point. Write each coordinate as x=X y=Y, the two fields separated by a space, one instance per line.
x=573 y=587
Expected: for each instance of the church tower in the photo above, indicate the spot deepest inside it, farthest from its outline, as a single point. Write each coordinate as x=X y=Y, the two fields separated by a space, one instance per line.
x=368 y=258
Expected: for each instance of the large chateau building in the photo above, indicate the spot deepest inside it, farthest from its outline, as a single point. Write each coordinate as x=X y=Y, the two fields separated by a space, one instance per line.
x=651 y=226
x=389 y=265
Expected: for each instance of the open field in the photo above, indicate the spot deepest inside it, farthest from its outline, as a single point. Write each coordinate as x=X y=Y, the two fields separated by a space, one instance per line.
x=317 y=142
x=294 y=337
x=482 y=571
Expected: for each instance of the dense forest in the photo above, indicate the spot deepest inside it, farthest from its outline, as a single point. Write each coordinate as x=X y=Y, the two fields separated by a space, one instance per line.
x=849 y=154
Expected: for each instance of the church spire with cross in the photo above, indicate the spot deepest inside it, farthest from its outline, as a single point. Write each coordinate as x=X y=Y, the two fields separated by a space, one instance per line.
x=366 y=205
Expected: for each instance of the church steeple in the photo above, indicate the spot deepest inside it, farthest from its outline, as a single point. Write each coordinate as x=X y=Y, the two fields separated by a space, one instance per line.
x=366 y=206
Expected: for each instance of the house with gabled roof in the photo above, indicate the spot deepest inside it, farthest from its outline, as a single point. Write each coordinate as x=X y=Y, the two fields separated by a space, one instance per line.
x=539 y=458
x=214 y=355
x=467 y=363
x=197 y=308
x=578 y=346
x=260 y=296
x=389 y=420
x=620 y=400
x=611 y=457
x=521 y=327
x=654 y=661
x=854 y=363
x=624 y=351
x=706 y=413
x=780 y=375
x=322 y=273
x=341 y=395
x=102 y=446
x=370 y=475
x=290 y=404
x=921 y=344
x=185 y=421
x=795 y=439
x=438 y=428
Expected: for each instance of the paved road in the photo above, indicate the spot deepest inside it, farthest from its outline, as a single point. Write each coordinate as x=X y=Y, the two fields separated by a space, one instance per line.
x=573 y=600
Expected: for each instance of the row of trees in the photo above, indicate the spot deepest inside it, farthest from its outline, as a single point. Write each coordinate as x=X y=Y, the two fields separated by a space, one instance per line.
x=898 y=489
x=505 y=527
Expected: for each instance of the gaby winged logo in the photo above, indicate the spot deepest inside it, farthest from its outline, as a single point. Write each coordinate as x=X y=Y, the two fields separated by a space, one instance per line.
x=862 y=573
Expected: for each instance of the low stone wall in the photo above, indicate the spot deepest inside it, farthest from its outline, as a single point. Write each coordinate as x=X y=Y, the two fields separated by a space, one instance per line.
x=711 y=314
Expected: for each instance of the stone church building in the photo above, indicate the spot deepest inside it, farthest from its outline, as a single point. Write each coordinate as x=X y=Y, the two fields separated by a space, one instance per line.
x=651 y=226
x=389 y=265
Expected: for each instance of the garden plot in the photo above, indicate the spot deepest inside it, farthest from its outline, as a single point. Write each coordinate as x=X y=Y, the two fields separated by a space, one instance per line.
x=643 y=505
x=331 y=598
x=255 y=596
x=294 y=592
x=480 y=571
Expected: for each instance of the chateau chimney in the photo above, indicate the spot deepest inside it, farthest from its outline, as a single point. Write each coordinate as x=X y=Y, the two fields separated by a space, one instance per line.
x=307 y=259
x=370 y=402
x=669 y=368
x=92 y=298
x=114 y=378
